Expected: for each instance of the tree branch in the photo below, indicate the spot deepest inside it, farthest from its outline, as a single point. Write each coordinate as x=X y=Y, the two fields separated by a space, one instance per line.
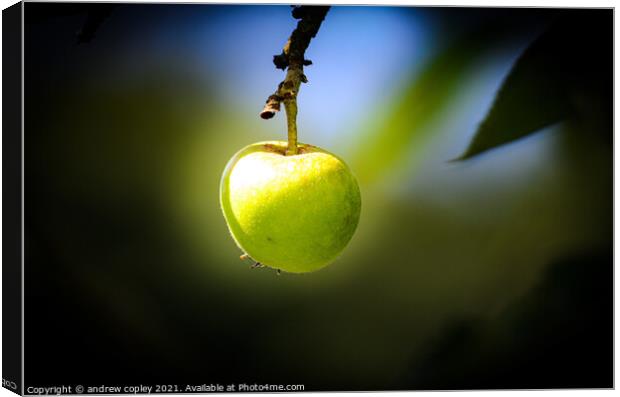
x=292 y=57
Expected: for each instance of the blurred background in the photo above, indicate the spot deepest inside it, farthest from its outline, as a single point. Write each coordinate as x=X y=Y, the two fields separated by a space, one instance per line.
x=492 y=271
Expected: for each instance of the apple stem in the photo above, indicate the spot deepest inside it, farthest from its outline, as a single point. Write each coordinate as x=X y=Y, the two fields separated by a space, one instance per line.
x=290 y=106
x=292 y=60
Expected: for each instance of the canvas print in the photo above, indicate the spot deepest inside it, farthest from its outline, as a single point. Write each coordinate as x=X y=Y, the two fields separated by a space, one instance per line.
x=275 y=198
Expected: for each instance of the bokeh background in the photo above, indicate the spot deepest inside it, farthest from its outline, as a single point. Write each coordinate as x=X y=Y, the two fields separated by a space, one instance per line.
x=490 y=272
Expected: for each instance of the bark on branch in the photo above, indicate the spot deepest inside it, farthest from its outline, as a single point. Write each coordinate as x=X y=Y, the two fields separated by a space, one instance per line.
x=292 y=57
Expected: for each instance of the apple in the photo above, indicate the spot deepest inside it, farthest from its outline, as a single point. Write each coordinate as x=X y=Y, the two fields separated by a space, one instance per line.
x=294 y=213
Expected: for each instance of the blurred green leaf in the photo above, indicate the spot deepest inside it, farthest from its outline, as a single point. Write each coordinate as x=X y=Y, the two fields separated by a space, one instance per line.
x=562 y=74
x=430 y=92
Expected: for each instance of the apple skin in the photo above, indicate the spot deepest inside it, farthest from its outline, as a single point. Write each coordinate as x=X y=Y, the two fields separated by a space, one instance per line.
x=294 y=213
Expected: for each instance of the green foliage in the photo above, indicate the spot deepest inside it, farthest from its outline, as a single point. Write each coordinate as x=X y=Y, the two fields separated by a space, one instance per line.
x=561 y=75
x=427 y=97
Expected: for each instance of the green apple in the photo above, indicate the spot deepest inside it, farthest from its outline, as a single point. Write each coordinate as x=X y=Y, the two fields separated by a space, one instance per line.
x=294 y=213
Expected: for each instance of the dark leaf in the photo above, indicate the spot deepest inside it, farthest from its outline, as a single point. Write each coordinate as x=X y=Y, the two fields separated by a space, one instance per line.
x=96 y=17
x=565 y=73
x=431 y=91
